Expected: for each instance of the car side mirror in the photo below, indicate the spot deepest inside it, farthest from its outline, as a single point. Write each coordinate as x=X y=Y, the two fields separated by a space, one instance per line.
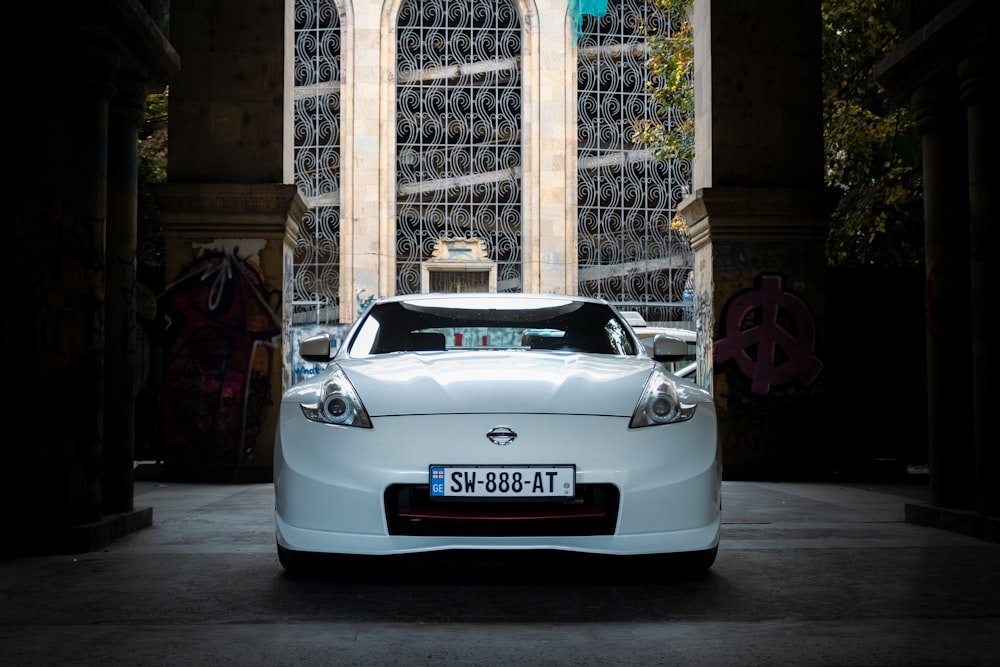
x=666 y=348
x=316 y=349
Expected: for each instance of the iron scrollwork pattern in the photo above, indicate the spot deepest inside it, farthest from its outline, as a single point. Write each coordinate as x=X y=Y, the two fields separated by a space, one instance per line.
x=458 y=133
x=316 y=273
x=628 y=253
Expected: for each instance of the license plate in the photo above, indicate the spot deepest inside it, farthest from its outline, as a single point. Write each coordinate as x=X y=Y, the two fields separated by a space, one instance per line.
x=503 y=481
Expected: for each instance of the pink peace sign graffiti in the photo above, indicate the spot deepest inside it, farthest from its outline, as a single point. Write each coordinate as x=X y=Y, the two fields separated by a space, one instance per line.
x=783 y=334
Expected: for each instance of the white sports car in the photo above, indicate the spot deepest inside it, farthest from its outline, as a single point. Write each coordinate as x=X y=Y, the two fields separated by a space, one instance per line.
x=496 y=421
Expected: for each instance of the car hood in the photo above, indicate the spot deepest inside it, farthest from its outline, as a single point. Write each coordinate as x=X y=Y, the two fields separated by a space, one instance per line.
x=498 y=382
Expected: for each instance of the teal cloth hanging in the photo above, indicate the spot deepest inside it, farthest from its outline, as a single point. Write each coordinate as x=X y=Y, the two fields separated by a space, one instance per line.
x=577 y=8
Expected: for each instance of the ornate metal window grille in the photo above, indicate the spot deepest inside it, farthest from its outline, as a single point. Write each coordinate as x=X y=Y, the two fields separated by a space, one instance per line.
x=628 y=252
x=316 y=271
x=458 y=133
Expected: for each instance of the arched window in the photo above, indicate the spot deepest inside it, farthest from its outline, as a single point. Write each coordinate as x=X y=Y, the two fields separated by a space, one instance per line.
x=316 y=270
x=458 y=134
x=628 y=252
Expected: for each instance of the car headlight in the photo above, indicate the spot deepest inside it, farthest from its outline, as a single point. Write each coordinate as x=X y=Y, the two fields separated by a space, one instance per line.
x=663 y=401
x=338 y=403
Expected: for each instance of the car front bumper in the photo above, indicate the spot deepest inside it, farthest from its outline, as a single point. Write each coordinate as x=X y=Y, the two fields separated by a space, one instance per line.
x=331 y=481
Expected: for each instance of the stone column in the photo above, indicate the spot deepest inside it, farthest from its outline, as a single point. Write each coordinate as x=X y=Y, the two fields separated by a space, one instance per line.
x=758 y=221
x=64 y=152
x=227 y=209
x=227 y=246
x=941 y=125
x=58 y=178
x=951 y=60
x=980 y=94
x=760 y=276
x=120 y=380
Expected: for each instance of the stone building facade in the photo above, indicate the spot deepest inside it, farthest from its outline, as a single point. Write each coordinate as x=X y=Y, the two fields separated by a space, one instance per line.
x=508 y=125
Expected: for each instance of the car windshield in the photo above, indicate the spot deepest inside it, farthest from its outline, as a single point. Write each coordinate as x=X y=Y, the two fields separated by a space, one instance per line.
x=470 y=324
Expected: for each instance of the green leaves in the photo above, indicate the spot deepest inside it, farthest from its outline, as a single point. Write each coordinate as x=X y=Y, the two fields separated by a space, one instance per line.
x=871 y=148
x=869 y=139
x=152 y=169
x=671 y=83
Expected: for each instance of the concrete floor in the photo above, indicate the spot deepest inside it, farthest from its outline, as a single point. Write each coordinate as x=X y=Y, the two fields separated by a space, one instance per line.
x=807 y=574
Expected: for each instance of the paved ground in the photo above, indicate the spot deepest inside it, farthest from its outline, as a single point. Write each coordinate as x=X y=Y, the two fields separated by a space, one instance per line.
x=808 y=574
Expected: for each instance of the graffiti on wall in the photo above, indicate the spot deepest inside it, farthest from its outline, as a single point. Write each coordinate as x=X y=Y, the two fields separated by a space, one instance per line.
x=221 y=335
x=363 y=301
x=769 y=333
x=703 y=318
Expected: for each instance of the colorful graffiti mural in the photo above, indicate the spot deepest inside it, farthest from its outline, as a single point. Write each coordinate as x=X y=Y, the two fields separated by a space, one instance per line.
x=221 y=336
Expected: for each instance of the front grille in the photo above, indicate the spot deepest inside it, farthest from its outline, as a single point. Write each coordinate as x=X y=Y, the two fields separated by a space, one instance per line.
x=409 y=510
